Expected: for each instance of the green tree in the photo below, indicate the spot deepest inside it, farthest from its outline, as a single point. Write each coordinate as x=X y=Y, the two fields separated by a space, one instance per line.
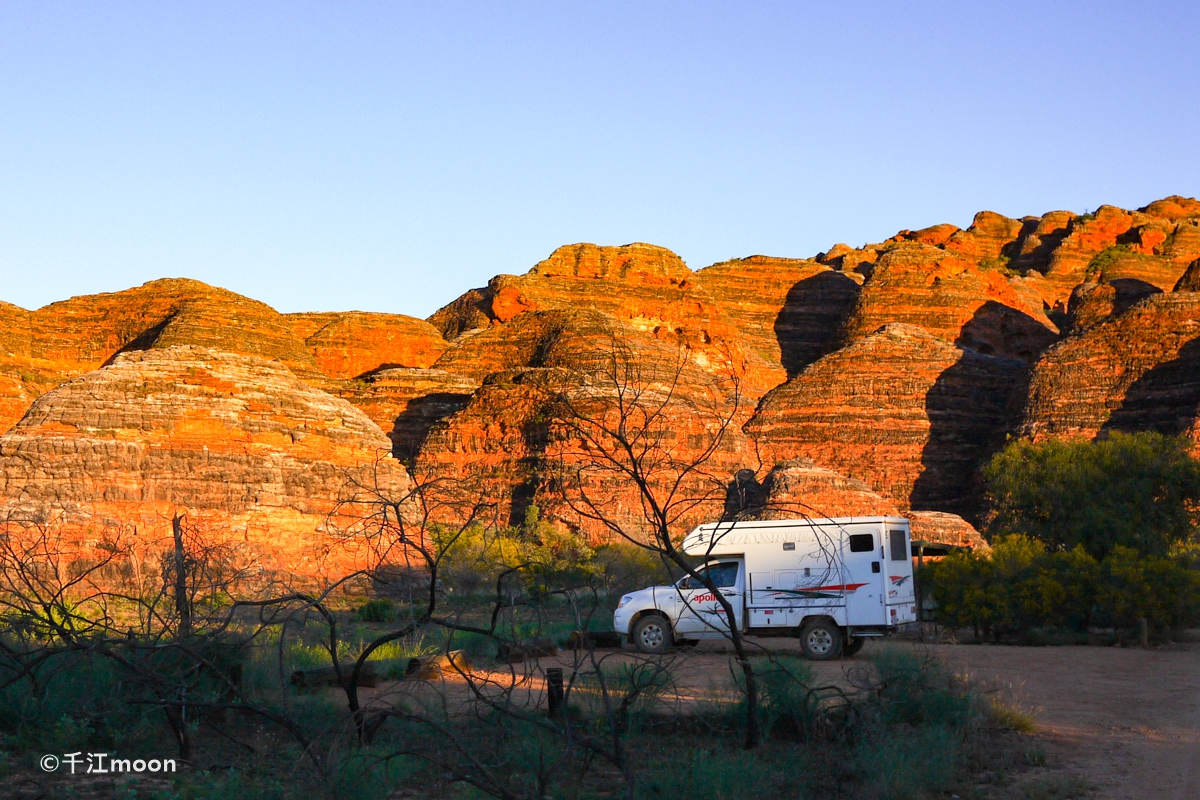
x=1134 y=490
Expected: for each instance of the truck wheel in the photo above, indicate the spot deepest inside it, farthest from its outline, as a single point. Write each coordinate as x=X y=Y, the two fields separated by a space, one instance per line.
x=652 y=634
x=853 y=646
x=821 y=640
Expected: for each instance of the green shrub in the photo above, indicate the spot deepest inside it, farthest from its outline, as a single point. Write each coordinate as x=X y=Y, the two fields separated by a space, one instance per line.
x=534 y=557
x=1003 y=715
x=919 y=692
x=624 y=567
x=790 y=709
x=380 y=610
x=1105 y=259
x=1159 y=589
x=1020 y=587
x=80 y=701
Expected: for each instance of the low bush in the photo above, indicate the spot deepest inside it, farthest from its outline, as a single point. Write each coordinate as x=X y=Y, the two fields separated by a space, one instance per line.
x=1021 y=587
x=380 y=610
x=529 y=558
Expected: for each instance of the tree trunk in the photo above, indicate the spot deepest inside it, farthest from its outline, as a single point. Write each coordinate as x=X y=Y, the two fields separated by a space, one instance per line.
x=181 y=594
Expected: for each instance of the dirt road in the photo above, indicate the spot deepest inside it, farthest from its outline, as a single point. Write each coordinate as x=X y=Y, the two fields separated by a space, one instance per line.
x=1126 y=721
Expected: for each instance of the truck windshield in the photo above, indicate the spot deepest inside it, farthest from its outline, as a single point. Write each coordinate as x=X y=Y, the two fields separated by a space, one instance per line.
x=724 y=575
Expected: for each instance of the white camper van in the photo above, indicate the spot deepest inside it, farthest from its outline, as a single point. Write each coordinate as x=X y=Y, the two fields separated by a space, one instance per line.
x=833 y=582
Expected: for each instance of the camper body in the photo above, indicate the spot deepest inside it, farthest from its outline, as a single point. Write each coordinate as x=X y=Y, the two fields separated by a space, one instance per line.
x=830 y=581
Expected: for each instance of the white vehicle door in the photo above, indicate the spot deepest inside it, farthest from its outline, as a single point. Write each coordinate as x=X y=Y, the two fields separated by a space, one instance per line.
x=901 y=598
x=700 y=613
x=862 y=576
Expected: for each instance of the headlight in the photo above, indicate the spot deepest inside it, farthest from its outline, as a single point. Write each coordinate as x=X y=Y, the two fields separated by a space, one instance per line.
x=624 y=601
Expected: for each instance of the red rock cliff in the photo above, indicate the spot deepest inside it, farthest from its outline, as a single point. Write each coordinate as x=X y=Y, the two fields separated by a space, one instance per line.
x=909 y=414
x=236 y=440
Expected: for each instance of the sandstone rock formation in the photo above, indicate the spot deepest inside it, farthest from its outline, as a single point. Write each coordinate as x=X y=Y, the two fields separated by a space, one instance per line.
x=909 y=414
x=15 y=364
x=83 y=333
x=1190 y=280
x=938 y=527
x=494 y=444
x=894 y=368
x=646 y=288
x=532 y=435
x=1092 y=303
x=950 y=297
x=789 y=311
x=65 y=339
x=1137 y=371
x=1153 y=244
x=798 y=488
x=355 y=343
x=41 y=349
x=989 y=236
x=235 y=440
x=406 y=403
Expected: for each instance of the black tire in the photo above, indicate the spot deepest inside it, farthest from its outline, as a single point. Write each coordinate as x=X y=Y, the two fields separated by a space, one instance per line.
x=821 y=640
x=853 y=646
x=651 y=634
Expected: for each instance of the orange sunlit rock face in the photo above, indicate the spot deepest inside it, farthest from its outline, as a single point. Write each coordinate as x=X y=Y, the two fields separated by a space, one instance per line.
x=515 y=440
x=789 y=311
x=909 y=414
x=876 y=377
x=353 y=344
x=237 y=441
x=797 y=487
x=1137 y=371
x=647 y=288
x=406 y=403
x=41 y=349
x=951 y=297
x=938 y=527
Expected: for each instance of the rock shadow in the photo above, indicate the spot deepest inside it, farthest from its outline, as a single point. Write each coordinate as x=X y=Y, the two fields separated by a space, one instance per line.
x=743 y=496
x=143 y=341
x=531 y=468
x=811 y=320
x=1038 y=257
x=1129 y=292
x=1166 y=398
x=411 y=428
x=1000 y=330
x=971 y=407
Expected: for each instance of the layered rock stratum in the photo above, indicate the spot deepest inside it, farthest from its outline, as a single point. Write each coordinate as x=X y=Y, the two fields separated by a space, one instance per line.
x=237 y=442
x=908 y=413
x=870 y=379
x=1138 y=371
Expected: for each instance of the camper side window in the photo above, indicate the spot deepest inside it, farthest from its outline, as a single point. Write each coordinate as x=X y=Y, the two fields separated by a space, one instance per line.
x=898 y=548
x=861 y=543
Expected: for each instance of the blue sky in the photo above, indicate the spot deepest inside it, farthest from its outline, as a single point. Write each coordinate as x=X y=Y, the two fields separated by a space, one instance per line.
x=388 y=156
